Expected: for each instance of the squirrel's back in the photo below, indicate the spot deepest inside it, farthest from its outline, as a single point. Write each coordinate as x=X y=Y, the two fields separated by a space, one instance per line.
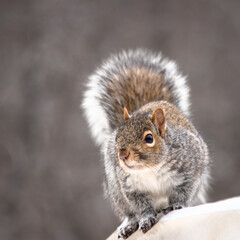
x=131 y=79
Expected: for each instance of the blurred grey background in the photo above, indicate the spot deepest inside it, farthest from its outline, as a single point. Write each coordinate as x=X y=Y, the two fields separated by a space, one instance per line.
x=50 y=170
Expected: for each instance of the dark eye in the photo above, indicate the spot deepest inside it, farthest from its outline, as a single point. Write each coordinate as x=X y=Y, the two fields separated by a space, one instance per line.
x=149 y=138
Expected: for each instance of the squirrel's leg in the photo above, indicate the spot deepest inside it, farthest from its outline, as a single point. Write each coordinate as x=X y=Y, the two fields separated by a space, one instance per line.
x=148 y=216
x=179 y=198
x=148 y=219
x=128 y=226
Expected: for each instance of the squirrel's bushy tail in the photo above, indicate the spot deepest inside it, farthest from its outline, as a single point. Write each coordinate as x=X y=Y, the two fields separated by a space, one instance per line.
x=131 y=79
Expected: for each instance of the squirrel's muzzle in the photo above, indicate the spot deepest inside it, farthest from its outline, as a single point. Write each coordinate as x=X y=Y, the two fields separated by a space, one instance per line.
x=126 y=159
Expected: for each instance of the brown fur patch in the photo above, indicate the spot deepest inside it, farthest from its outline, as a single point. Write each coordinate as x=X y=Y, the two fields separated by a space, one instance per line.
x=133 y=88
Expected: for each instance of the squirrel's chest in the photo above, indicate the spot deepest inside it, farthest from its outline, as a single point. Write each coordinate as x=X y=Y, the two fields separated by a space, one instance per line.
x=158 y=186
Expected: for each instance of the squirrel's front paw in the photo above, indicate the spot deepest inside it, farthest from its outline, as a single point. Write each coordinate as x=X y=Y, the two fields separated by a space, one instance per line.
x=127 y=229
x=171 y=208
x=147 y=222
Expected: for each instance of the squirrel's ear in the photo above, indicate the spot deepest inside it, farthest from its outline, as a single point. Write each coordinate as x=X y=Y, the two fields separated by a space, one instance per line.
x=126 y=115
x=158 y=119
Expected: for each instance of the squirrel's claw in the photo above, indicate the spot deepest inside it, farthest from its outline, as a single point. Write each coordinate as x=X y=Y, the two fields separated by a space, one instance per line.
x=147 y=223
x=170 y=208
x=126 y=231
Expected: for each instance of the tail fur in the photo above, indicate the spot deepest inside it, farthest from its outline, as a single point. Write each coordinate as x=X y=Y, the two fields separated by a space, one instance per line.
x=131 y=79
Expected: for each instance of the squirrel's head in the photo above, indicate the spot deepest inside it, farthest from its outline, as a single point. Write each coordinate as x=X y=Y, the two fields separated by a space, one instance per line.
x=140 y=139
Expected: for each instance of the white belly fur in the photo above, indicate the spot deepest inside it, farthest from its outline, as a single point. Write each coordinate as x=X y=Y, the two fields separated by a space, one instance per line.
x=157 y=183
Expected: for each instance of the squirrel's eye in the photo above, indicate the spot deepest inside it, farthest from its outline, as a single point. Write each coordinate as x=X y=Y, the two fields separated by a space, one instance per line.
x=149 y=138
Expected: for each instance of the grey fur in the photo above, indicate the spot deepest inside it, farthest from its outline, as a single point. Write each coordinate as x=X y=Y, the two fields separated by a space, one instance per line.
x=174 y=170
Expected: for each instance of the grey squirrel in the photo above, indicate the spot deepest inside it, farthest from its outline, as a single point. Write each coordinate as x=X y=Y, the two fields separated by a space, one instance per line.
x=137 y=107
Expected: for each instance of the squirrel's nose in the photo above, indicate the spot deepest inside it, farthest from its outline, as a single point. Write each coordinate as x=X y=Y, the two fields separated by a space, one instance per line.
x=124 y=154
